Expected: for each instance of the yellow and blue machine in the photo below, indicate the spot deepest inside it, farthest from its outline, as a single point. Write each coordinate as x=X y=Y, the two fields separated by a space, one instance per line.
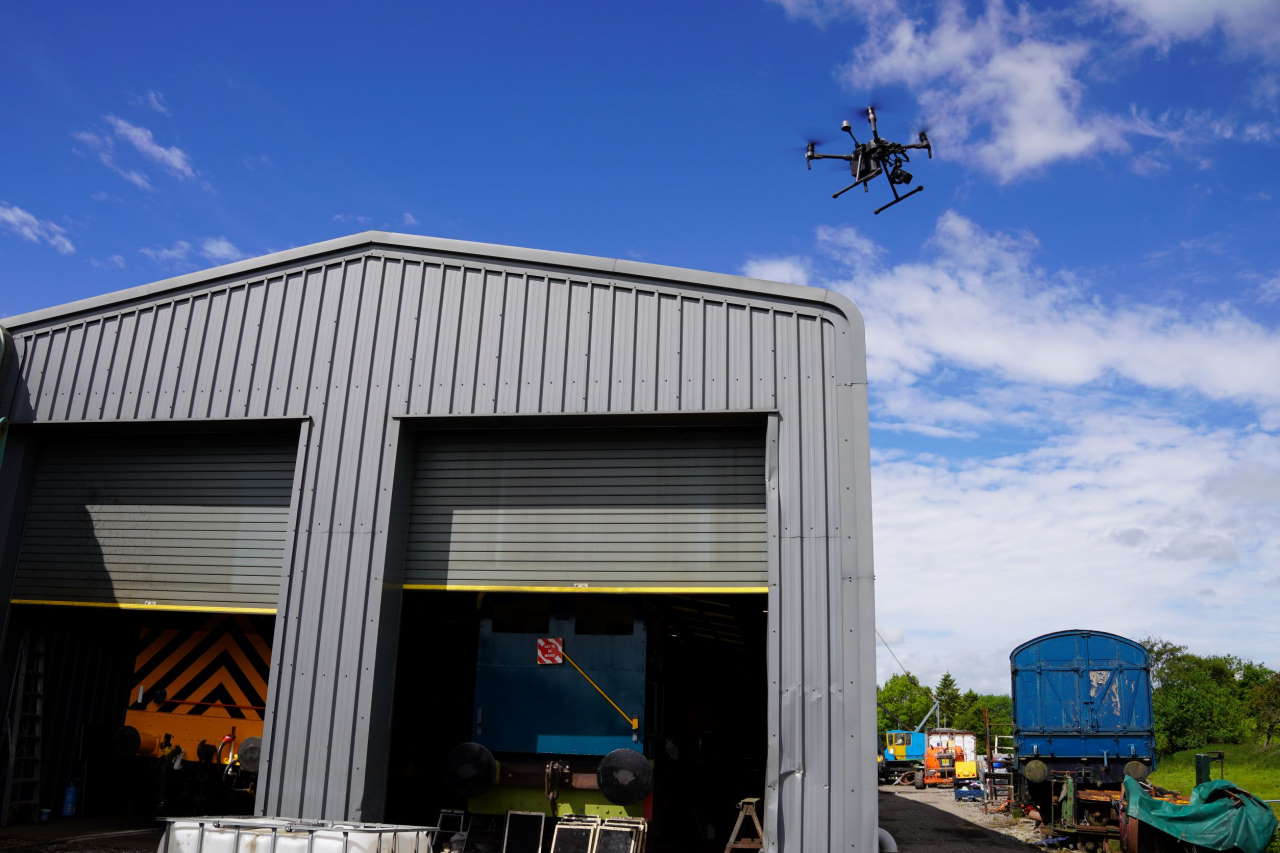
x=577 y=667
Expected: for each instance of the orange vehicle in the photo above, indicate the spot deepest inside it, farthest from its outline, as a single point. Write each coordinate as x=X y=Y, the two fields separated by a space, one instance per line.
x=949 y=754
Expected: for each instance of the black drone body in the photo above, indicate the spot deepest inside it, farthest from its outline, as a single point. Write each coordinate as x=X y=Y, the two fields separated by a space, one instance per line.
x=876 y=157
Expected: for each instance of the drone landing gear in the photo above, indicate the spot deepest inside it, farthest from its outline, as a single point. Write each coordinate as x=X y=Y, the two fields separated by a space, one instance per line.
x=897 y=198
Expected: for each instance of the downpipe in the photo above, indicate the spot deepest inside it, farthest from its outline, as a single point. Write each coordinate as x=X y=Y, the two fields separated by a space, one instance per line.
x=886 y=842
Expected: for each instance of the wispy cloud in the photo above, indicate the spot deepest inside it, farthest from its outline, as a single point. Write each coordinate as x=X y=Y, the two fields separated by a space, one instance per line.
x=1249 y=26
x=1269 y=290
x=179 y=251
x=219 y=250
x=408 y=219
x=143 y=140
x=110 y=262
x=791 y=270
x=151 y=100
x=104 y=147
x=352 y=218
x=33 y=229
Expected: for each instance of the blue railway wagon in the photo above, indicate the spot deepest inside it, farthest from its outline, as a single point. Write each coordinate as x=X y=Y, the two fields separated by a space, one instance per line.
x=1082 y=702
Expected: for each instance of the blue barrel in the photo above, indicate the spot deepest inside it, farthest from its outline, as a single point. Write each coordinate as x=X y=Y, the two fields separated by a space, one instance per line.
x=1082 y=701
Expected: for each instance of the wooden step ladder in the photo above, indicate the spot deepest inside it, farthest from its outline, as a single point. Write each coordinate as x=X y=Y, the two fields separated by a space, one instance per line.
x=24 y=723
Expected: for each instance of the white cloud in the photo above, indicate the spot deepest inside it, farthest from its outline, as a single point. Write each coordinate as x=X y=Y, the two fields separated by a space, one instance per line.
x=220 y=250
x=109 y=262
x=1024 y=324
x=1110 y=524
x=104 y=146
x=992 y=89
x=172 y=158
x=352 y=217
x=409 y=219
x=822 y=12
x=1004 y=88
x=1269 y=290
x=788 y=270
x=1251 y=26
x=849 y=246
x=179 y=251
x=32 y=228
x=1101 y=452
x=152 y=100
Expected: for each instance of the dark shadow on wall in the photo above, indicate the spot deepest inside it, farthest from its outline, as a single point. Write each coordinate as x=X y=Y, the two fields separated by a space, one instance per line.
x=156 y=514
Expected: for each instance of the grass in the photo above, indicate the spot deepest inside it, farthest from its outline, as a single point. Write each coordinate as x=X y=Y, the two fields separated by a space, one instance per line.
x=1253 y=767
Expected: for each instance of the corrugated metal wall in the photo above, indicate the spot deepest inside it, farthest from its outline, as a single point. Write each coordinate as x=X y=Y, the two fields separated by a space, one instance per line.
x=616 y=509
x=378 y=326
x=192 y=522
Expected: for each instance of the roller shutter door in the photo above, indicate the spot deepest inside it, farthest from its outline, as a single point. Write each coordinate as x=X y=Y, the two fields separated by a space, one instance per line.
x=171 y=523
x=589 y=509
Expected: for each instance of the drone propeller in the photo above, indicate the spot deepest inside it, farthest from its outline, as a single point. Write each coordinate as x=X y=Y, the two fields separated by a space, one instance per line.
x=923 y=136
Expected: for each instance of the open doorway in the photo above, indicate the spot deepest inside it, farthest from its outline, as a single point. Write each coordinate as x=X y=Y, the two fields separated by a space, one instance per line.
x=554 y=686
x=131 y=714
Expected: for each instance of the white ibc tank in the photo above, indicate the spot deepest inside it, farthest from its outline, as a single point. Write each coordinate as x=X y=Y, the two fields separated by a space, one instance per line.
x=290 y=835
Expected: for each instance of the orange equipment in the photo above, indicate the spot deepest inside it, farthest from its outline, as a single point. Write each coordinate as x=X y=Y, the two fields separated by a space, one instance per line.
x=946 y=749
x=201 y=691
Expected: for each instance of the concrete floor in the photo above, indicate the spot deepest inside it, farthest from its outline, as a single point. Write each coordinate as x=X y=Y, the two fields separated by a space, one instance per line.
x=931 y=821
x=82 y=835
x=928 y=821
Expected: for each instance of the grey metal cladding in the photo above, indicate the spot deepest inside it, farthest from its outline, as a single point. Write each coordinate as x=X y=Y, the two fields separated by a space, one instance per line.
x=356 y=331
x=589 y=508
x=156 y=522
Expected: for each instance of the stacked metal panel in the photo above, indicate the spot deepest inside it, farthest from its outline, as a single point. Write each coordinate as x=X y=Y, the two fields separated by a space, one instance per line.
x=604 y=509
x=160 y=523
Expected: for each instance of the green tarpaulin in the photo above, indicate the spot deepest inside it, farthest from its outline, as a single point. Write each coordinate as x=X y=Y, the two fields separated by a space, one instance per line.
x=1220 y=816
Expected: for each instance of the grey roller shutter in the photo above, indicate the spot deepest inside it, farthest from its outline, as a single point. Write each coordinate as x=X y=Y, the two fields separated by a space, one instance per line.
x=168 y=523
x=589 y=509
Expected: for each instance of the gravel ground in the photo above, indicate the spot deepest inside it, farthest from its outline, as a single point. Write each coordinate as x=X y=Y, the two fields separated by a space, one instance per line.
x=931 y=821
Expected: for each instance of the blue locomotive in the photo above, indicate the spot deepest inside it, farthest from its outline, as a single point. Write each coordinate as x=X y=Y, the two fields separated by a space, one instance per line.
x=1082 y=706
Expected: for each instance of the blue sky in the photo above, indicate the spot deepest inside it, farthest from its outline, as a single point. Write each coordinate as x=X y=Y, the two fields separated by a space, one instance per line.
x=1074 y=332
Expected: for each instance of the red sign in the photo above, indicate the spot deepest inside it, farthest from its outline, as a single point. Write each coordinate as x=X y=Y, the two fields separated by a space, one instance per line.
x=550 y=650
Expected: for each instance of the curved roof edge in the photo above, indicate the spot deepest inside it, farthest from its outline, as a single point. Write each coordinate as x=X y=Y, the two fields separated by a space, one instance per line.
x=1072 y=632
x=724 y=281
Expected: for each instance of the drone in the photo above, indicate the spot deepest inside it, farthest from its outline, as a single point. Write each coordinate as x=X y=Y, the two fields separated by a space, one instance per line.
x=870 y=160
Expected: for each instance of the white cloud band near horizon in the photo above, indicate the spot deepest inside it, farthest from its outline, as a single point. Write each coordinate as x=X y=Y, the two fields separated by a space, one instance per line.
x=1107 y=465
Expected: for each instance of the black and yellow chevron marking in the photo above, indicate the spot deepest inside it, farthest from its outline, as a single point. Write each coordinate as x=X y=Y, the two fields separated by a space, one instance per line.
x=220 y=667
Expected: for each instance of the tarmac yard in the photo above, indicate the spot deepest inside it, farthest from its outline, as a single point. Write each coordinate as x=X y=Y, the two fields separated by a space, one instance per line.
x=931 y=821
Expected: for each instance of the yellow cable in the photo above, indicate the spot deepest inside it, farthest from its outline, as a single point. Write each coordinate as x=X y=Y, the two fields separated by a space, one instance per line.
x=634 y=722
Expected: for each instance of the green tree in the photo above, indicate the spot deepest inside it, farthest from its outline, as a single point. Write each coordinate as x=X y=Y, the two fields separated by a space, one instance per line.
x=1199 y=701
x=901 y=702
x=949 y=699
x=999 y=710
x=1264 y=707
x=1161 y=653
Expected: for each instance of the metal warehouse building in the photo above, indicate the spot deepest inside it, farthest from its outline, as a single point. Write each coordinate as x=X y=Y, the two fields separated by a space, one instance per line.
x=369 y=452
